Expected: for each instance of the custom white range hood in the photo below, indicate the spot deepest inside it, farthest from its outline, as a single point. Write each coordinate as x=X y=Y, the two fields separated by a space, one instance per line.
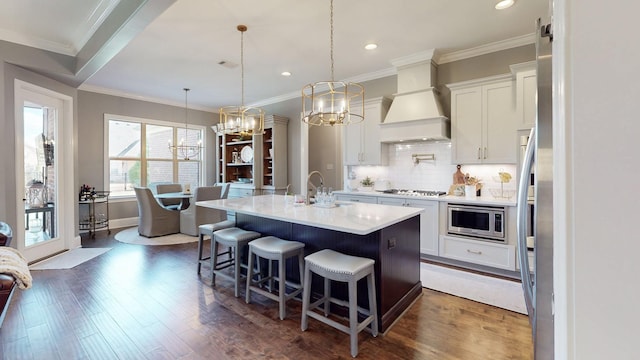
x=416 y=113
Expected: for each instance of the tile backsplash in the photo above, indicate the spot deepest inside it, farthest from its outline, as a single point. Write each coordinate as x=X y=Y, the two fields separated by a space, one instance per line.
x=403 y=173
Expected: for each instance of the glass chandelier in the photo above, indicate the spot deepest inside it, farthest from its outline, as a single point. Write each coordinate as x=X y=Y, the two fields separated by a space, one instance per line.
x=183 y=149
x=328 y=103
x=241 y=120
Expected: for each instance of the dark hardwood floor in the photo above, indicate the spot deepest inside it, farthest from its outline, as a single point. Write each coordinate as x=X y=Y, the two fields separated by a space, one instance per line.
x=146 y=302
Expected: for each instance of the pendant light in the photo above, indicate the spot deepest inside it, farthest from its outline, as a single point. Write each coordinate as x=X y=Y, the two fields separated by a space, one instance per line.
x=329 y=103
x=241 y=120
x=183 y=148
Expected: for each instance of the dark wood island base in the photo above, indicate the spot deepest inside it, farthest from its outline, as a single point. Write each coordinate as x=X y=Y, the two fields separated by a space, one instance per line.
x=395 y=249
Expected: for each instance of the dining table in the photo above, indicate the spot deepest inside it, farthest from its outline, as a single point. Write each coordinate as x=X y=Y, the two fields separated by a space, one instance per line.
x=184 y=197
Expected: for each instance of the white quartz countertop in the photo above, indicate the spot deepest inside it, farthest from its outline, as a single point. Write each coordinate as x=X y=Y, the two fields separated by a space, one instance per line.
x=355 y=218
x=479 y=200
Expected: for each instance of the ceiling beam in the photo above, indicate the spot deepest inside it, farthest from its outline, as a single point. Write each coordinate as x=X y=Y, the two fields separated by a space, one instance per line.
x=124 y=23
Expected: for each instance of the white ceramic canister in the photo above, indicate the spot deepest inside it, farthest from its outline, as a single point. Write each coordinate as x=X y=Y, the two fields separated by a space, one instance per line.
x=470 y=191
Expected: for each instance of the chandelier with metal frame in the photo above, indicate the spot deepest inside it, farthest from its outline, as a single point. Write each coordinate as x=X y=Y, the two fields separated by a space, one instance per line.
x=329 y=103
x=183 y=149
x=241 y=120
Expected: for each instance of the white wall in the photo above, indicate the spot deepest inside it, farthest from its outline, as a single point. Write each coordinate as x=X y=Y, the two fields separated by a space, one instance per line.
x=596 y=216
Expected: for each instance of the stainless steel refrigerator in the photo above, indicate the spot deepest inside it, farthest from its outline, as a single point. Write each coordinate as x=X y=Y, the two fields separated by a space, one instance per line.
x=538 y=284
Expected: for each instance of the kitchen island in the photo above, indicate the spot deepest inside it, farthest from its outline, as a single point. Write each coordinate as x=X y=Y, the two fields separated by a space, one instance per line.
x=390 y=235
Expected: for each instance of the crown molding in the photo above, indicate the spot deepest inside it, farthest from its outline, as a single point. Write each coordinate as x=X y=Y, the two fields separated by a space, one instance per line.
x=118 y=93
x=487 y=49
x=38 y=43
x=426 y=55
x=423 y=56
x=357 y=79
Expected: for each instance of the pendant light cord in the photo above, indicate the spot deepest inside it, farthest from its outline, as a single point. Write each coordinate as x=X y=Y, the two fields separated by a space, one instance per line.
x=331 y=37
x=242 y=62
x=186 y=111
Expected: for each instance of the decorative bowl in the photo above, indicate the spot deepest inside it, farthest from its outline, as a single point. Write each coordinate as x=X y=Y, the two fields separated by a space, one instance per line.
x=502 y=194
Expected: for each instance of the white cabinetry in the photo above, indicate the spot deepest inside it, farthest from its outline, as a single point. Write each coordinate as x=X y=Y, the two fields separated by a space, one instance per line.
x=253 y=164
x=357 y=198
x=526 y=87
x=274 y=154
x=361 y=142
x=428 y=221
x=478 y=252
x=483 y=121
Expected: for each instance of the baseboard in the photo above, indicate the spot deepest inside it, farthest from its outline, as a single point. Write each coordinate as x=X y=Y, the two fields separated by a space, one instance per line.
x=122 y=223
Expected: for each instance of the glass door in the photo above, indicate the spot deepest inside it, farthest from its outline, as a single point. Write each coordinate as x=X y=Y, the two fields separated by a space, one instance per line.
x=37 y=123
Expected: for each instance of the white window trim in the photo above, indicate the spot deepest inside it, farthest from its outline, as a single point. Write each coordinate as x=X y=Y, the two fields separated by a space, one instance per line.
x=107 y=117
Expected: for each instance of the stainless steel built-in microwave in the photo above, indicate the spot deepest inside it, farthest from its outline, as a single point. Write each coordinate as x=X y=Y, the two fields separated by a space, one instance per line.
x=483 y=222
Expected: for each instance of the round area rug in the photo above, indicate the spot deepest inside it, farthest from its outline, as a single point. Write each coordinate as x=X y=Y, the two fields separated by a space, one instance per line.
x=131 y=236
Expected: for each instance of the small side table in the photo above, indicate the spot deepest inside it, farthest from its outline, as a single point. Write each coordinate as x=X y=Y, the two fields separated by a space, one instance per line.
x=95 y=222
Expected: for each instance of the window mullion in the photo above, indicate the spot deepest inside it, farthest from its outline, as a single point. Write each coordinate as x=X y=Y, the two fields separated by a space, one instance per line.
x=175 y=156
x=143 y=155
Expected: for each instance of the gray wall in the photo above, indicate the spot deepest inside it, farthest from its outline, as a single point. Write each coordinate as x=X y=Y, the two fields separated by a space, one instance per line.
x=91 y=110
x=323 y=146
x=91 y=107
x=33 y=59
x=322 y=140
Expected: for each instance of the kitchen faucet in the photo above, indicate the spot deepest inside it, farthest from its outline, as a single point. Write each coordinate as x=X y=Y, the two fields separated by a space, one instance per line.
x=311 y=187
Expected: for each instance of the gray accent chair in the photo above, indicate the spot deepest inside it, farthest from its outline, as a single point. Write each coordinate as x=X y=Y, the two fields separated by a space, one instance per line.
x=173 y=204
x=153 y=219
x=192 y=217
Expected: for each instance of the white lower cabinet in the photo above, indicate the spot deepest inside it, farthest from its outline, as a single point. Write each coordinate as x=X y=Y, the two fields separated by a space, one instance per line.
x=428 y=221
x=357 y=198
x=478 y=252
x=240 y=192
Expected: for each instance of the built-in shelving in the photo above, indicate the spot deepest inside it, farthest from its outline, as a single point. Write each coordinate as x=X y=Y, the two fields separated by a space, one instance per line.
x=267 y=171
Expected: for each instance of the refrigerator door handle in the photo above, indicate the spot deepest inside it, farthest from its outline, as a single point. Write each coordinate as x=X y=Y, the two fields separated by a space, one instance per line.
x=521 y=225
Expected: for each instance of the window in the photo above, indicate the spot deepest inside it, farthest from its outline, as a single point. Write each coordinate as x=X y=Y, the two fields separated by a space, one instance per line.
x=139 y=155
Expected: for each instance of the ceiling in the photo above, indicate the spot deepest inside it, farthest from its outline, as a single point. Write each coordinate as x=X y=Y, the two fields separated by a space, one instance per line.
x=179 y=43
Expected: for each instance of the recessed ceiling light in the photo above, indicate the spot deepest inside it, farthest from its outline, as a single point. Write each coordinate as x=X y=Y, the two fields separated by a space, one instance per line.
x=285 y=73
x=504 y=4
x=371 y=46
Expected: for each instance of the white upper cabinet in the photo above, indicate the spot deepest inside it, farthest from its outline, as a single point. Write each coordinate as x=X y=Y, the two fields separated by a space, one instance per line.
x=361 y=142
x=483 y=121
x=526 y=87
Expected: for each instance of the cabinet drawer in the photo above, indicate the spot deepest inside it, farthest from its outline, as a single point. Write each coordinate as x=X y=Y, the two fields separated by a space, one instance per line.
x=358 y=198
x=239 y=192
x=478 y=252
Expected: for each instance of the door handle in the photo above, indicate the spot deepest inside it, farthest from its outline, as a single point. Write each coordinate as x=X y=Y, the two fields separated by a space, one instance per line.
x=485 y=152
x=521 y=224
x=479 y=152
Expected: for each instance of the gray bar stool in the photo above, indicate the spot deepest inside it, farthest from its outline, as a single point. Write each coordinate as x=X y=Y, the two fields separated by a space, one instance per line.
x=273 y=248
x=334 y=266
x=209 y=229
x=235 y=239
